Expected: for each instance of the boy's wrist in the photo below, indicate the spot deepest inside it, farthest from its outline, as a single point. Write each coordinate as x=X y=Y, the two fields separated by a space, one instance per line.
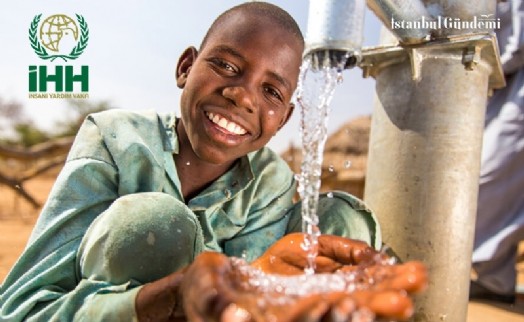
x=161 y=300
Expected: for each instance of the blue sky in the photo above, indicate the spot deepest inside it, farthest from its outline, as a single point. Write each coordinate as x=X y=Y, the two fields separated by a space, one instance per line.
x=132 y=53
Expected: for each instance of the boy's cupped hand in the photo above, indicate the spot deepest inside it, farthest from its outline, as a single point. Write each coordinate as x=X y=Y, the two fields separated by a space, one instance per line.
x=215 y=288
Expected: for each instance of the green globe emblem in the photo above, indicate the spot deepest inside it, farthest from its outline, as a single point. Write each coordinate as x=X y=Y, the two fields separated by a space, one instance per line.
x=59 y=34
x=55 y=28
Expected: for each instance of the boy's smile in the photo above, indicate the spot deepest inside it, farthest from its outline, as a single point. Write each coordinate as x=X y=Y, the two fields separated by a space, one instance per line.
x=237 y=90
x=229 y=127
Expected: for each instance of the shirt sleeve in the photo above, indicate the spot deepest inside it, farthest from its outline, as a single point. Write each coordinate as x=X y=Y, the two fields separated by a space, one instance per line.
x=511 y=35
x=341 y=214
x=45 y=283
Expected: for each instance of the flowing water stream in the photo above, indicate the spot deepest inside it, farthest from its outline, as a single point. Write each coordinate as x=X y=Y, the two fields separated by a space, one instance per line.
x=319 y=76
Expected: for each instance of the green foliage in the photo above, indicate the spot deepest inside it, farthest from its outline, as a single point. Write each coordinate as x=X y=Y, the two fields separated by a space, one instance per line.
x=28 y=134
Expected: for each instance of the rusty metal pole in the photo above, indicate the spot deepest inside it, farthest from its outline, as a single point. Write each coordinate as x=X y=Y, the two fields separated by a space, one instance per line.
x=424 y=157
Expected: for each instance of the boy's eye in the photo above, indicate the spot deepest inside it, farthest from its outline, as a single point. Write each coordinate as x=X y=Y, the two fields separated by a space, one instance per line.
x=274 y=93
x=224 y=65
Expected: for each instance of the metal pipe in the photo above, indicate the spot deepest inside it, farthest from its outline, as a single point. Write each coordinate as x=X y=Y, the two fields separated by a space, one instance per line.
x=335 y=31
x=393 y=13
x=423 y=171
x=424 y=156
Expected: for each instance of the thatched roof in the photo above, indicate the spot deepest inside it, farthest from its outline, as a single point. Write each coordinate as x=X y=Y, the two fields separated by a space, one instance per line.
x=351 y=138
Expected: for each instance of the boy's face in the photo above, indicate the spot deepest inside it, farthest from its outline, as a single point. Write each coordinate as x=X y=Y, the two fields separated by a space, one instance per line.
x=237 y=90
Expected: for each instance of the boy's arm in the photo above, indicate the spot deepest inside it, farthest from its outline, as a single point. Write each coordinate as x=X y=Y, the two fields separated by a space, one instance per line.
x=161 y=300
x=44 y=283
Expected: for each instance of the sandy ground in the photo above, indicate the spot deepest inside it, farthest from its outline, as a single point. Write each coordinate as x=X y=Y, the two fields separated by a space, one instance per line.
x=17 y=220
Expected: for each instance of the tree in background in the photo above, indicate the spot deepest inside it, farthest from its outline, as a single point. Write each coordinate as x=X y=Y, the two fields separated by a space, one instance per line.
x=27 y=151
x=17 y=129
x=10 y=111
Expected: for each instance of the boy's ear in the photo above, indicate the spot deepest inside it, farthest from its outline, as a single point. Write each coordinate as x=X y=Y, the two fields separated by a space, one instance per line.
x=287 y=116
x=185 y=62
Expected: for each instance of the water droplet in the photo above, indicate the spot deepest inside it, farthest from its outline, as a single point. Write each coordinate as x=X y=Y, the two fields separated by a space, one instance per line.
x=309 y=271
x=330 y=194
x=188 y=163
x=304 y=246
x=331 y=168
x=18 y=187
x=271 y=112
x=347 y=164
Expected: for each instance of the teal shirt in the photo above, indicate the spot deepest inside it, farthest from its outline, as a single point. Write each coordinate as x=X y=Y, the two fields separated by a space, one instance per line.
x=117 y=153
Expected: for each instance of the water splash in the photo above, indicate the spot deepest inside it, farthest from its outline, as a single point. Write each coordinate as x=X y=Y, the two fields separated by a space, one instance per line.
x=319 y=75
x=283 y=291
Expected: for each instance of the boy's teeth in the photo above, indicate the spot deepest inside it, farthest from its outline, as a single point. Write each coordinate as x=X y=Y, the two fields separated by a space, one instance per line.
x=231 y=127
x=222 y=123
x=225 y=124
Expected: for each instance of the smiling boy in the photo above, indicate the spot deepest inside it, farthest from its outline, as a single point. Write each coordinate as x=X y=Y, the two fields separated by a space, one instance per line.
x=142 y=195
x=236 y=96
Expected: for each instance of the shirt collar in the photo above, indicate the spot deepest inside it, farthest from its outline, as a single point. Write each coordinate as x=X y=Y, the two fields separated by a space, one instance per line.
x=170 y=139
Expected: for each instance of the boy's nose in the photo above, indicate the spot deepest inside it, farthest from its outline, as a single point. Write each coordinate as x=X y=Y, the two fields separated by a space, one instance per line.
x=240 y=97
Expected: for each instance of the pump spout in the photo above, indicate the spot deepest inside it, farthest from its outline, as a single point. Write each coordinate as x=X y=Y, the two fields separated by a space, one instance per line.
x=335 y=32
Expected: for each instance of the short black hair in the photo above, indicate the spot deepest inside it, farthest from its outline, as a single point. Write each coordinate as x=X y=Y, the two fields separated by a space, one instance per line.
x=259 y=8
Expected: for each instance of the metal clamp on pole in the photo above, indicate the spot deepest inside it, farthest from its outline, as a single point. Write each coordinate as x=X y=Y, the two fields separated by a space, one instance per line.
x=473 y=50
